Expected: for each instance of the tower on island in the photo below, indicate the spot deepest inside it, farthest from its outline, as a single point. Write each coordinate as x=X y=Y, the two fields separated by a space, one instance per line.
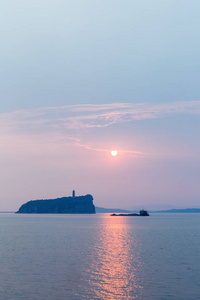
x=73 y=193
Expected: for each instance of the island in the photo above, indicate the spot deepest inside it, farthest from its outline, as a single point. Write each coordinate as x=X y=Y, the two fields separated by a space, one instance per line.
x=143 y=213
x=65 y=205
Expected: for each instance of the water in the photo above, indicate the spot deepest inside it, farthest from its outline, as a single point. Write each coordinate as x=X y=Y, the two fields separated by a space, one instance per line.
x=75 y=257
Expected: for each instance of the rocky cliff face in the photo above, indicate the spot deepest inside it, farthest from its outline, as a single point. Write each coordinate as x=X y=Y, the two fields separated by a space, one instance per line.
x=65 y=205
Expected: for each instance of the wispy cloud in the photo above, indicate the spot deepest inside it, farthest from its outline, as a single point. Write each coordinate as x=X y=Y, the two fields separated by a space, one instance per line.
x=67 y=125
x=86 y=116
x=78 y=143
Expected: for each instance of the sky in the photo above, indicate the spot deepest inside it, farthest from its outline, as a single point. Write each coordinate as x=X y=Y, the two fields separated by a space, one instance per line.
x=82 y=78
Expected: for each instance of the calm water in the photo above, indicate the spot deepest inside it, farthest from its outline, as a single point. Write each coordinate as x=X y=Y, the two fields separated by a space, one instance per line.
x=59 y=257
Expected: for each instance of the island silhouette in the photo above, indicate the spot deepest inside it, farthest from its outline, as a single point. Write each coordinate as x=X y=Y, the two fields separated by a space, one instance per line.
x=64 y=205
x=143 y=213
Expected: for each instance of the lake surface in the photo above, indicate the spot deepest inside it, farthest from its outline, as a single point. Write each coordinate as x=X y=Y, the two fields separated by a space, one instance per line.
x=75 y=257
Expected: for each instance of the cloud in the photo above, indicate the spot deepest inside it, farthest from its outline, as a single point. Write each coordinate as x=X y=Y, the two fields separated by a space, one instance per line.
x=78 y=143
x=70 y=127
x=66 y=124
x=86 y=116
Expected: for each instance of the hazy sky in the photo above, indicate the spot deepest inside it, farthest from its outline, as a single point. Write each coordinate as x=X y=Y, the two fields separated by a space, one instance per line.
x=81 y=78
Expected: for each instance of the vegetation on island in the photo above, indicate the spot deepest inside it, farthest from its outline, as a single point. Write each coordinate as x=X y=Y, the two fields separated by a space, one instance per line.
x=65 y=205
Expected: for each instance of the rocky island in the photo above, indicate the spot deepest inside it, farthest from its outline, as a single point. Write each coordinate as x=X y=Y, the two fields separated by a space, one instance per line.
x=143 y=213
x=65 y=205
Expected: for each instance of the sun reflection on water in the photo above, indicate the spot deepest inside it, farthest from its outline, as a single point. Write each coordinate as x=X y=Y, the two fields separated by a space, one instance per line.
x=115 y=269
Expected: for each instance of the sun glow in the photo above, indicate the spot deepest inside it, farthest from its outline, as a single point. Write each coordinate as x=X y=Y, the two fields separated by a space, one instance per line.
x=114 y=152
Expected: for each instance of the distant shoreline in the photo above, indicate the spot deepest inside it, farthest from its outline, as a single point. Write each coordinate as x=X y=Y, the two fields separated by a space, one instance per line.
x=184 y=210
x=115 y=210
x=118 y=210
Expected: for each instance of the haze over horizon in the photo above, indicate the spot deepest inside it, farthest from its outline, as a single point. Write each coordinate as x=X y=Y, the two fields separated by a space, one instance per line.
x=80 y=79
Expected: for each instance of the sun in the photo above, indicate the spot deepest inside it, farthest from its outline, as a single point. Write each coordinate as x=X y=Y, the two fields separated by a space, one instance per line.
x=114 y=152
